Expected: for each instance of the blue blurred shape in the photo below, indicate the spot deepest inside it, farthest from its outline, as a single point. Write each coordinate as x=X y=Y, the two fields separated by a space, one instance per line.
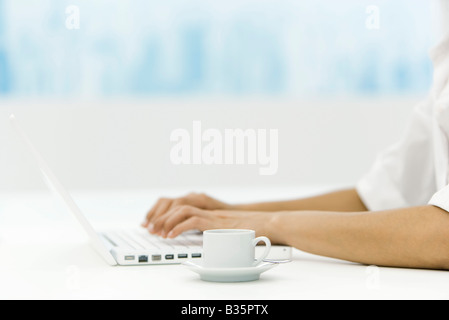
x=194 y=44
x=5 y=79
x=203 y=47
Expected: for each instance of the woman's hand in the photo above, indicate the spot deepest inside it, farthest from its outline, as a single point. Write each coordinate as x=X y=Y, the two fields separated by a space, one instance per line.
x=164 y=205
x=185 y=217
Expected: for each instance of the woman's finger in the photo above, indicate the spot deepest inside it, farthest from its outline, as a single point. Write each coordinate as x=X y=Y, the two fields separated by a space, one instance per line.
x=151 y=213
x=176 y=213
x=162 y=206
x=178 y=216
x=194 y=222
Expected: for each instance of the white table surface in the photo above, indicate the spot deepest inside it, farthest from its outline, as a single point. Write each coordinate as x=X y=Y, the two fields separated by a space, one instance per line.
x=45 y=255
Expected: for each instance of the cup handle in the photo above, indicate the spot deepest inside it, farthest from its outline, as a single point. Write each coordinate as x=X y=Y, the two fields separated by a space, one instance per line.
x=267 y=249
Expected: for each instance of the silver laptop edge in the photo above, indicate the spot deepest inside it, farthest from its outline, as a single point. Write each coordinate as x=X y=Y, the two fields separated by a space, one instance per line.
x=56 y=186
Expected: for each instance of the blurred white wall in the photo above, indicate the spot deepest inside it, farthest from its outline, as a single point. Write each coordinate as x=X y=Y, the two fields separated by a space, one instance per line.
x=113 y=144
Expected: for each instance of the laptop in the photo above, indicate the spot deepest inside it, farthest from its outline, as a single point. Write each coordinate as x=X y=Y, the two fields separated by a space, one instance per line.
x=136 y=246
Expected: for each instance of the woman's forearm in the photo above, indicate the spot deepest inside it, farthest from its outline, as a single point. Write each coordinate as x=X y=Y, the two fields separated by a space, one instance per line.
x=344 y=201
x=415 y=237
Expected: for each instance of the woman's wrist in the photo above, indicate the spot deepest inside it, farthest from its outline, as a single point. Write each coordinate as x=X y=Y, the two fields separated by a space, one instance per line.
x=275 y=228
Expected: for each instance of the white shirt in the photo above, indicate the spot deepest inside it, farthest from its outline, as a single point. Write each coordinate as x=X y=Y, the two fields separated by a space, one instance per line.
x=415 y=171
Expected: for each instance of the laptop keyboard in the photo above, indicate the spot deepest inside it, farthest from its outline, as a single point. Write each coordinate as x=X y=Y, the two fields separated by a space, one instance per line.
x=141 y=239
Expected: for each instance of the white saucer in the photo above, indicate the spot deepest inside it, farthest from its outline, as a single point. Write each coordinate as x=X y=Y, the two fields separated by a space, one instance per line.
x=228 y=274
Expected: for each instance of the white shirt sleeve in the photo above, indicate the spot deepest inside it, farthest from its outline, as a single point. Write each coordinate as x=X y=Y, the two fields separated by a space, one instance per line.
x=415 y=171
x=404 y=174
x=441 y=199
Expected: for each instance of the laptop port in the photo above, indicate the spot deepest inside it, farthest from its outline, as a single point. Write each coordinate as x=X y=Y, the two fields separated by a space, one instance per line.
x=143 y=259
x=182 y=256
x=169 y=256
x=196 y=255
x=129 y=258
x=156 y=257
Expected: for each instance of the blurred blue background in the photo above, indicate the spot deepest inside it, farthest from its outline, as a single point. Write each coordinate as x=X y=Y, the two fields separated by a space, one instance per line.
x=203 y=47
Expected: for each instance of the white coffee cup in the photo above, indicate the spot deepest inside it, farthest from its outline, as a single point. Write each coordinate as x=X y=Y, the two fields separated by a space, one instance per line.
x=232 y=248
